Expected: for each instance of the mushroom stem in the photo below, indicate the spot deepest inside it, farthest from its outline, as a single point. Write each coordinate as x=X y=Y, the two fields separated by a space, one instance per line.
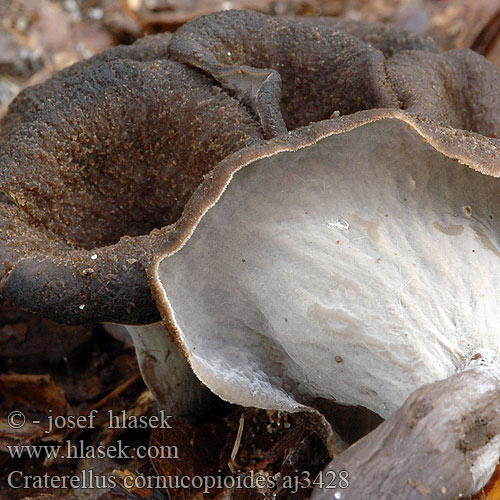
x=443 y=443
x=166 y=372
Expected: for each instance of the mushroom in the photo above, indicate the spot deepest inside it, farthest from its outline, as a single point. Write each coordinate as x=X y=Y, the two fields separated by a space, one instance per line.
x=353 y=259
x=442 y=443
x=333 y=236
x=80 y=218
x=350 y=251
x=80 y=215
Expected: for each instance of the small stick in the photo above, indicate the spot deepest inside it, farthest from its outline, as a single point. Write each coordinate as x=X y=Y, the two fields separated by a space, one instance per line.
x=233 y=466
x=114 y=393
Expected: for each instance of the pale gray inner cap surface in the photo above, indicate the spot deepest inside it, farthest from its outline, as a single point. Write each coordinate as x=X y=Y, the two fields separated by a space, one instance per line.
x=358 y=269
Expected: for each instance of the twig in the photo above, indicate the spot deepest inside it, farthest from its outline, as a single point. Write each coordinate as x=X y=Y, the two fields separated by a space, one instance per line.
x=233 y=466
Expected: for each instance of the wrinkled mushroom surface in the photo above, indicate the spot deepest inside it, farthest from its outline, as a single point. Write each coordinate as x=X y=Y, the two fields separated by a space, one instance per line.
x=353 y=258
x=91 y=162
x=357 y=265
x=98 y=161
x=306 y=68
x=322 y=198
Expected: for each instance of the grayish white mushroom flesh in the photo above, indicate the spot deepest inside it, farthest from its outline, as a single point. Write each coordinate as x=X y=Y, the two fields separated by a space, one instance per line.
x=358 y=268
x=166 y=372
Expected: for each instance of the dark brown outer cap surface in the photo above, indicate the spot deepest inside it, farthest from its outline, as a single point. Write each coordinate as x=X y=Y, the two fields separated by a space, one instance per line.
x=322 y=69
x=98 y=163
x=110 y=147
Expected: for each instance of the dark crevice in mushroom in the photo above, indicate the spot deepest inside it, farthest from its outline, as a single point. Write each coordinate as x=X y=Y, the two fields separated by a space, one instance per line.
x=5 y=199
x=316 y=81
x=351 y=422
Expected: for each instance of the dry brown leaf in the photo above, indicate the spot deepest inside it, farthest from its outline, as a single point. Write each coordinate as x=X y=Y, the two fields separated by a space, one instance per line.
x=478 y=16
x=10 y=436
x=33 y=390
x=199 y=453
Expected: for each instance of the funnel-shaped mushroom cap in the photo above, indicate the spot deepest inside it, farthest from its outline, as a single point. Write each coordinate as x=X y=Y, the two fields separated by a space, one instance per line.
x=92 y=164
x=357 y=266
x=356 y=258
x=97 y=162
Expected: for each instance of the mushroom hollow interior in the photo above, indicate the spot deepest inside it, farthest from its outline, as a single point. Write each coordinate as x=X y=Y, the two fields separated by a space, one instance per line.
x=357 y=268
